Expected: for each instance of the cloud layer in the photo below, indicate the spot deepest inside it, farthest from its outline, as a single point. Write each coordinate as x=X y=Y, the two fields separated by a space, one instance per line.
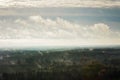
x=59 y=3
x=37 y=27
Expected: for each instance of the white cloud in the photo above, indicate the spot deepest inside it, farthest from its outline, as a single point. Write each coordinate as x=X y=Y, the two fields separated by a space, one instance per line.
x=36 y=31
x=50 y=43
x=59 y=3
x=37 y=27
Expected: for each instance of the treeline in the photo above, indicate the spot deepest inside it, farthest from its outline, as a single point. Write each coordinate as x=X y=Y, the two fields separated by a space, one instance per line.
x=90 y=71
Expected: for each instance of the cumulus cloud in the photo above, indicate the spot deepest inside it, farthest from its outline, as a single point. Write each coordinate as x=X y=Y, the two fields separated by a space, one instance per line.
x=40 y=31
x=59 y=3
x=37 y=27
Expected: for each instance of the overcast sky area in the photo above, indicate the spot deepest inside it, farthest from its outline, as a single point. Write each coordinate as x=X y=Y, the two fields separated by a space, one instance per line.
x=59 y=22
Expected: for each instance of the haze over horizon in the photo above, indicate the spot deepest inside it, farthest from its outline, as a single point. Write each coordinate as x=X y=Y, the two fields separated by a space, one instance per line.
x=25 y=23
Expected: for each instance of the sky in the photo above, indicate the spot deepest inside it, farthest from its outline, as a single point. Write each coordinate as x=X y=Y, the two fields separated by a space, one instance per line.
x=59 y=22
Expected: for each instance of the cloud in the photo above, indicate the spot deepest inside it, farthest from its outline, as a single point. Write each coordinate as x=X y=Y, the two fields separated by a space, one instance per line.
x=39 y=31
x=6 y=12
x=59 y=3
x=37 y=27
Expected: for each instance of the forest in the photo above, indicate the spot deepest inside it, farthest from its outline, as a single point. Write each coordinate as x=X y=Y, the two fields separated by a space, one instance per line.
x=71 y=64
